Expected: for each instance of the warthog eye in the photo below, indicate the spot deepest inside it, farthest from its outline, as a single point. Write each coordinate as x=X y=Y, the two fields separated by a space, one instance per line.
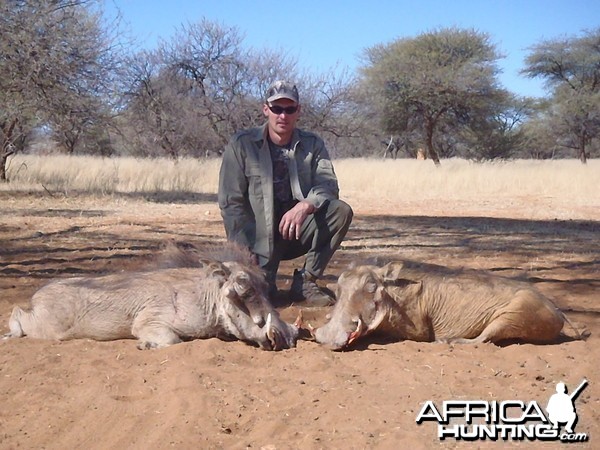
x=371 y=286
x=247 y=294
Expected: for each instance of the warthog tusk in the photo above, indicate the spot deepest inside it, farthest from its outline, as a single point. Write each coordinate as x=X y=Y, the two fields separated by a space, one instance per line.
x=355 y=334
x=269 y=328
x=311 y=329
x=272 y=333
x=358 y=326
x=299 y=320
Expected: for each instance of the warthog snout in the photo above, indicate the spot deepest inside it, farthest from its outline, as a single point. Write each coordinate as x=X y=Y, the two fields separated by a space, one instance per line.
x=261 y=323
x=356 y=313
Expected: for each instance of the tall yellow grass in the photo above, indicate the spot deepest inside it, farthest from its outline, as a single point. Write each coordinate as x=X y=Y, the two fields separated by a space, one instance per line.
x=362 y=179
x=98 y=175
x=457 y=178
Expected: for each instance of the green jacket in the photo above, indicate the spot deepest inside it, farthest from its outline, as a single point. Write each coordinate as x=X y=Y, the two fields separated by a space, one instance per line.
x=246 y=184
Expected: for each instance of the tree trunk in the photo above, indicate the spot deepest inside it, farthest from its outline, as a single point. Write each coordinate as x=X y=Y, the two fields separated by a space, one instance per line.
x=3 y=162
x=430 y=150
x=582 y=155
x=7 y=148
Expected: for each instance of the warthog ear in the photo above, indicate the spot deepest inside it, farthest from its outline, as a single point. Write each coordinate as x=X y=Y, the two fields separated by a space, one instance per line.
x=391 y=271
x=403 y=289
x=400 y=282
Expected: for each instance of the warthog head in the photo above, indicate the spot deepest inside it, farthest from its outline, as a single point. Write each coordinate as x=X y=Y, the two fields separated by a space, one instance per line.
x=252 y=317
x=362 y=306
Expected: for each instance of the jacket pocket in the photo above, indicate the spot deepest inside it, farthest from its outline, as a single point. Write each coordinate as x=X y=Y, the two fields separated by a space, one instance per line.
x=252 y=169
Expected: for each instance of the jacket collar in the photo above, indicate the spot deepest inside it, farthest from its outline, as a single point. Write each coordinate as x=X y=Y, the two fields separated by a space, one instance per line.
x=259 y=135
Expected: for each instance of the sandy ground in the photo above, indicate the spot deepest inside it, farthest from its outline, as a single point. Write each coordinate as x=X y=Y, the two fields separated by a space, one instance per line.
x=213 y=394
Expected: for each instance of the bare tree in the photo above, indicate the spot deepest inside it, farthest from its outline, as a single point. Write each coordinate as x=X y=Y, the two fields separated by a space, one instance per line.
x=154 y=108
x=334 y=107
x=191 y=94
x=57 y=65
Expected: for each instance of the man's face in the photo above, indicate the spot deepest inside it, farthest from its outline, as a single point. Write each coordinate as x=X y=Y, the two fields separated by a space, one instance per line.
x=281 y=122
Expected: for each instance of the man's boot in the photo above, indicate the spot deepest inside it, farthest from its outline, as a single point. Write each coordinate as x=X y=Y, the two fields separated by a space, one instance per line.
x=305 y=290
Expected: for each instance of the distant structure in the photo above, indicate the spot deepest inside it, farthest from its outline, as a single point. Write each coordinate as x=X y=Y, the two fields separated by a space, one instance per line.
x=392 y=147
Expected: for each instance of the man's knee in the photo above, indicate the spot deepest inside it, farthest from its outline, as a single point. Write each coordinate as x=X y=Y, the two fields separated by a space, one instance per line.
x=341 y=211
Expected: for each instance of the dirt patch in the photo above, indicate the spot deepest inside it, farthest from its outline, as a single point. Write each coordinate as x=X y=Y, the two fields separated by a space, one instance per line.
x=214 y=394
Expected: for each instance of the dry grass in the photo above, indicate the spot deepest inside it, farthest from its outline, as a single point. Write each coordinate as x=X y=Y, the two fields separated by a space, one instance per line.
x=457 y=178
x=98 y=175
x=372 y=180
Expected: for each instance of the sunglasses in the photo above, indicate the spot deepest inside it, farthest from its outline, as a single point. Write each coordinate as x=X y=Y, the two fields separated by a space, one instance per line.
x=275 y=109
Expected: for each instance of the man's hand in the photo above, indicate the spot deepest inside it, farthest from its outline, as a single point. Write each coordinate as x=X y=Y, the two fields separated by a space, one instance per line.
x=292 y=221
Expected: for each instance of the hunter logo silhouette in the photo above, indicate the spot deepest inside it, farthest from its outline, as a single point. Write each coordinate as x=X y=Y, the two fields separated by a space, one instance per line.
x=561 y=406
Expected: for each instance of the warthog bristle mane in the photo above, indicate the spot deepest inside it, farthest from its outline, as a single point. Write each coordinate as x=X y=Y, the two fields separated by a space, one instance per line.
x=176 y=254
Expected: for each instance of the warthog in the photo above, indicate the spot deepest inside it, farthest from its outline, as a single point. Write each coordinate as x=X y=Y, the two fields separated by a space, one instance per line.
x=426 y=302
x=159 y=308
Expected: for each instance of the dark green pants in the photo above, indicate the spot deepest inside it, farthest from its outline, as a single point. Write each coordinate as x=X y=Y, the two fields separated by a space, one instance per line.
x=321 y=235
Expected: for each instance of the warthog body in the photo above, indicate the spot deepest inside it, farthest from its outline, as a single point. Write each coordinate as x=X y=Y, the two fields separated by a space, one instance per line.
x=159 y=308
x=426 y=302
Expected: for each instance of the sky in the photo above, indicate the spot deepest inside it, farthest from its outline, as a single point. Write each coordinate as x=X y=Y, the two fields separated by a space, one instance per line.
x=332 y=35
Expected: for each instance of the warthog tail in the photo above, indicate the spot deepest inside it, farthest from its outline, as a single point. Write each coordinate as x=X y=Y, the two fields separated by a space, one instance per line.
x=574 y=332
x=16 y=329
